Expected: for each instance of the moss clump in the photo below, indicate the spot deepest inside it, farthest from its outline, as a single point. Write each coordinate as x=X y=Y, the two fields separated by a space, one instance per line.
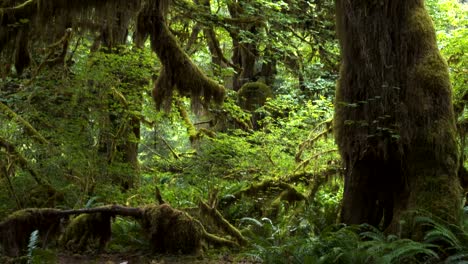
x=171 y=230
x=253 y=95
x=87 y=231
x=17 y=227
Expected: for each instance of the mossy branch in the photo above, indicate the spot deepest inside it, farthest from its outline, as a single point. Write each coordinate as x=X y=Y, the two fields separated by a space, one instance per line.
x=306 y=162
x=223 y=223
x=14 y=116
x=314 y=137
x=24 y=164
x=191 y=130
x=12 y=15
x=179 y=72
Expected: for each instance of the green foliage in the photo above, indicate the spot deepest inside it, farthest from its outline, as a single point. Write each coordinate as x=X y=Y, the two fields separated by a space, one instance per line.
x=127 y=236
x=352 y=244
x=451 y=22
x=80 y=106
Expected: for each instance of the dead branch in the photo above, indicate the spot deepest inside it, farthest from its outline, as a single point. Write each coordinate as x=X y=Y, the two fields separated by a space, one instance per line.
x=173 y=152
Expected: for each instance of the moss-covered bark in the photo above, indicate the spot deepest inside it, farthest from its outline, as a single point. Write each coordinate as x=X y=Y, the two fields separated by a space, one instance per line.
x=394 y=122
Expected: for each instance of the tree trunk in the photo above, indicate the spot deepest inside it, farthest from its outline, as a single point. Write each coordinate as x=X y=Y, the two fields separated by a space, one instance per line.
x=119 y=142
x=394 y=121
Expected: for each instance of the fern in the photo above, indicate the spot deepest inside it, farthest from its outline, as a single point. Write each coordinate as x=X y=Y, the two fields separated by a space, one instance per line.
x=441 y=231
x=406 y=249
x=461 y=258
x=32 y=245
x=92 y=202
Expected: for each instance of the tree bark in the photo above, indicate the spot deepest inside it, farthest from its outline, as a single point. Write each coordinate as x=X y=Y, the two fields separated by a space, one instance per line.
x=394 y=120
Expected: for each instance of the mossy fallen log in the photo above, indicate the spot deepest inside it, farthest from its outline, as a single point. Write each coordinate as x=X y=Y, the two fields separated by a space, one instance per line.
x=169 y=230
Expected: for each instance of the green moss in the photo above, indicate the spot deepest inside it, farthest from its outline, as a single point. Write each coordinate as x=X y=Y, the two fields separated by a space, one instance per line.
x=428 y=192
x=17 y=227
x=421 y=28
x=178 y=72
x=171 y=230
x=86 y=232
x=253 y=95
x=432 y=73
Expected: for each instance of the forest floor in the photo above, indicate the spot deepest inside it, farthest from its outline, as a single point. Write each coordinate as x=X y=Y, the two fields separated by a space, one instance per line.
x=149 y=259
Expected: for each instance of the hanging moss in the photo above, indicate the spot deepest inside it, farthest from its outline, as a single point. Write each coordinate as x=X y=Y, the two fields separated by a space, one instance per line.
x=178 y=71
x=48 y=19
x=87 y=232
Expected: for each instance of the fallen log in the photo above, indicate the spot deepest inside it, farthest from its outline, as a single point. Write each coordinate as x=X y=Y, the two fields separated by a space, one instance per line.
x=169 y=230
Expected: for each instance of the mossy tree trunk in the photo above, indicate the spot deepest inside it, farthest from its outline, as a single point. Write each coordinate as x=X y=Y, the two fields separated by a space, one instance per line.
x=394 y=121
x=121 y=131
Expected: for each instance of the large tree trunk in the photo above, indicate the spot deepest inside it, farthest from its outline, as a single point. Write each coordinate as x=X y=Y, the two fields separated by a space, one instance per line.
x=394 y=120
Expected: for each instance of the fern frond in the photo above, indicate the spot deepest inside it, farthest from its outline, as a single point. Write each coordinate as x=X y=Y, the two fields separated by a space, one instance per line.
x=251 y=220
x=460 y=258
x=405 y=249
x=32 y=245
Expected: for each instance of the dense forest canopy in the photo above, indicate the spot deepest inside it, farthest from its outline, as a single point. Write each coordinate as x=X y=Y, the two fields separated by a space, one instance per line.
x=234 y=130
